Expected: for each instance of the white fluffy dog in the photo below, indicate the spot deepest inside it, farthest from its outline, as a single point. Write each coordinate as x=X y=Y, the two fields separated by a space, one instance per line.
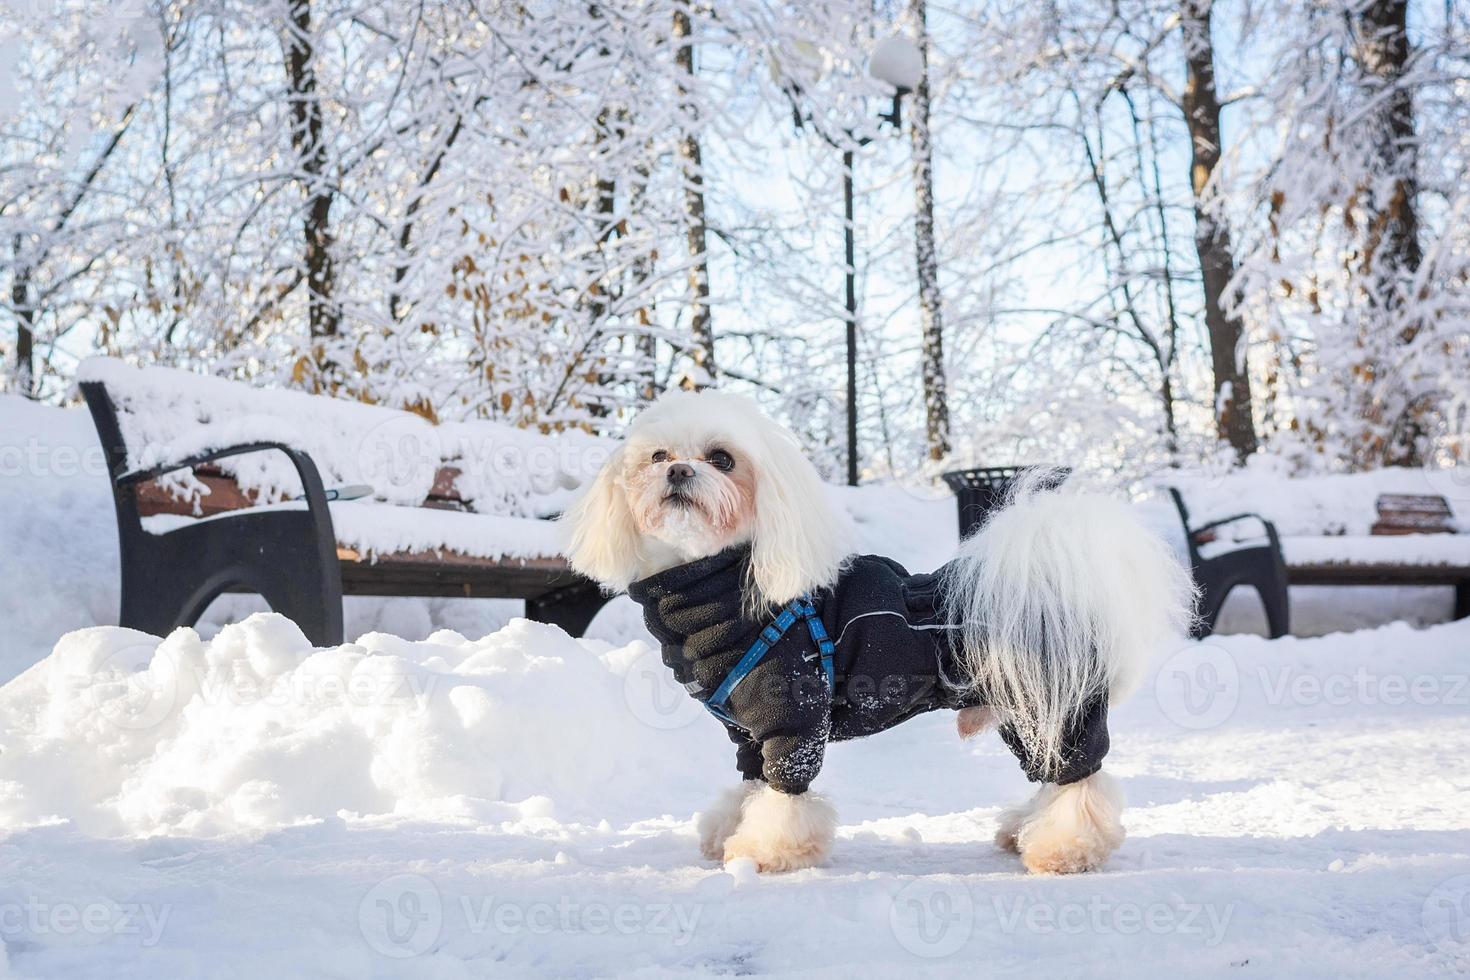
x=713 y=520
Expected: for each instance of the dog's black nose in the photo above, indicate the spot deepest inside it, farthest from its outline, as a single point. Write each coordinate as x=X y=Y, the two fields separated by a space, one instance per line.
x=680 y=473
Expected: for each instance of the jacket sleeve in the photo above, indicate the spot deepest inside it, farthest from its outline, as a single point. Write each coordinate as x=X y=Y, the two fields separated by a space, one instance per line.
x=791 y=762
x=788 y=714
x=1084 y=744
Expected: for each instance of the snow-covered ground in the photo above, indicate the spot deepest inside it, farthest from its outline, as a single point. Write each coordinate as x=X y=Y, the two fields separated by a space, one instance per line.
x=489 y=797
x=522 y=805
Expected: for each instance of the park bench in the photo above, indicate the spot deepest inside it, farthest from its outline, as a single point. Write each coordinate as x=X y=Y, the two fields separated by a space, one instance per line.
x=178 y=554
x=1412 y=542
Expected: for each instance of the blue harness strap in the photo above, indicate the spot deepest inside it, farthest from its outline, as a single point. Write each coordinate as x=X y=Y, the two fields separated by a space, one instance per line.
x=825 y=647
x=801 y=608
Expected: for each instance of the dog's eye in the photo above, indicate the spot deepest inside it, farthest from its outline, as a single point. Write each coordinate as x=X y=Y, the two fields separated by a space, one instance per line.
x=721 y=460
x=660 y=457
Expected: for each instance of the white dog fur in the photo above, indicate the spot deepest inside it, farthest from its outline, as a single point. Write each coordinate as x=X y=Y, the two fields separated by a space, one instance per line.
x=780 y=832
x=1108 y=592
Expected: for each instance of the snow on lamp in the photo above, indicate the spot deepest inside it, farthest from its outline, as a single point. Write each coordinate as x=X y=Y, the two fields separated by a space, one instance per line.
x=899 y=62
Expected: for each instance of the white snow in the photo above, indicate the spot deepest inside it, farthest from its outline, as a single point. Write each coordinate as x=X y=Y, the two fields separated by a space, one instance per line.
x=522 y=805
x=378 y=529
x=1314 y=505
x=167 y=415
x=1430 y=550
x=507 y=801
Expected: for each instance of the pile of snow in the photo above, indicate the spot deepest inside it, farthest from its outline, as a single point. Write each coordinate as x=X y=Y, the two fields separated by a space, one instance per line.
x=166 y=415
x=123 y=734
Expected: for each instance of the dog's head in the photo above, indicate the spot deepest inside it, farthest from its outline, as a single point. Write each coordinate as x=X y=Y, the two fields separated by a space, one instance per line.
x=698 y=473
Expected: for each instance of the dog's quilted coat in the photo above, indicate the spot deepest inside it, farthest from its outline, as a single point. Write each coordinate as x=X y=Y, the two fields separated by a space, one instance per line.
x=895 y=659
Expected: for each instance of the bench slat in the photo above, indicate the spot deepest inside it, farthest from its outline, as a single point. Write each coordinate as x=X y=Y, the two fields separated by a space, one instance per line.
x=1326 y=573
x=1415 y=503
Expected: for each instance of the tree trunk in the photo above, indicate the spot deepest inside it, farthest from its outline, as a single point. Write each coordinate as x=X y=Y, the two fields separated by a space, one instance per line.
x=931 y=316
x=23 y=375
x=308 y=140
x=1391 y=254
x=702 y=348
x=1211 y=238
x=641 y=272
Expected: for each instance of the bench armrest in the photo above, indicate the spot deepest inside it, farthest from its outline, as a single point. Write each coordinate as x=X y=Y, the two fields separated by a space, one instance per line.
x=1270 y=528
x=311 y=479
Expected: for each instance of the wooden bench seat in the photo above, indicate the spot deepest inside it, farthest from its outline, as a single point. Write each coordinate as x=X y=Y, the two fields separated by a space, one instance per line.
x=1413 y=543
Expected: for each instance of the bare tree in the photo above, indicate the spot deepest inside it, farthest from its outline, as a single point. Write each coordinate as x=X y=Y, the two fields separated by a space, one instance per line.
x=309 y=141
x=1391 y=253
x=1211 y=237
x=931 y=314
x=701 y=329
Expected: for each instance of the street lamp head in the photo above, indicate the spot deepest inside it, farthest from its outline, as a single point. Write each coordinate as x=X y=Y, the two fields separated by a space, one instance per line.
x=899 y=62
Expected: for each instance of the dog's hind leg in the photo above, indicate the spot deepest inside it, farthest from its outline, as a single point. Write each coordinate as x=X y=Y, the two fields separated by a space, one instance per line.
x=1008 y=825
x=1066 y=829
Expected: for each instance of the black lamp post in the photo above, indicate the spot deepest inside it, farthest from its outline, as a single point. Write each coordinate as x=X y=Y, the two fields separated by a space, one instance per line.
x=898 y=62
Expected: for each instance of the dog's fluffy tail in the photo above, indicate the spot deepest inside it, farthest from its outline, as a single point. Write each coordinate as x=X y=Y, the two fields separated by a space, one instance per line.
x=1062 y=596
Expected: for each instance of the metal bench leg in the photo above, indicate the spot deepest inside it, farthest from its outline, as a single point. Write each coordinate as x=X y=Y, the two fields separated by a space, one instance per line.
x=316 y=607
x=1277 y=603
x=154 y=600
x=571 y=607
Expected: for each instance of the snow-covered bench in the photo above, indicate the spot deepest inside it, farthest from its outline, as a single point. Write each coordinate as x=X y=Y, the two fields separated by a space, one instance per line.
x=222 y=487
x=1389 y=527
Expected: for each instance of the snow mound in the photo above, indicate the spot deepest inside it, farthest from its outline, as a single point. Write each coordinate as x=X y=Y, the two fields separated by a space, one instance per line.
x=124 y=734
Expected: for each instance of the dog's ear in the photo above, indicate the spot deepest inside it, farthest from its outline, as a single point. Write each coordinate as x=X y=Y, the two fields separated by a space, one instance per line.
x=603 y=539
x=799 y=540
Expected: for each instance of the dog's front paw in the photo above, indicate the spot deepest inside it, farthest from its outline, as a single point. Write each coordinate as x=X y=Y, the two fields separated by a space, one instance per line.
x=783 y=832
x=716 y=824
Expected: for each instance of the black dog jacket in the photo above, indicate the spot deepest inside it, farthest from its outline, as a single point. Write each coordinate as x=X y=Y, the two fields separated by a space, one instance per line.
x=895 y=658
